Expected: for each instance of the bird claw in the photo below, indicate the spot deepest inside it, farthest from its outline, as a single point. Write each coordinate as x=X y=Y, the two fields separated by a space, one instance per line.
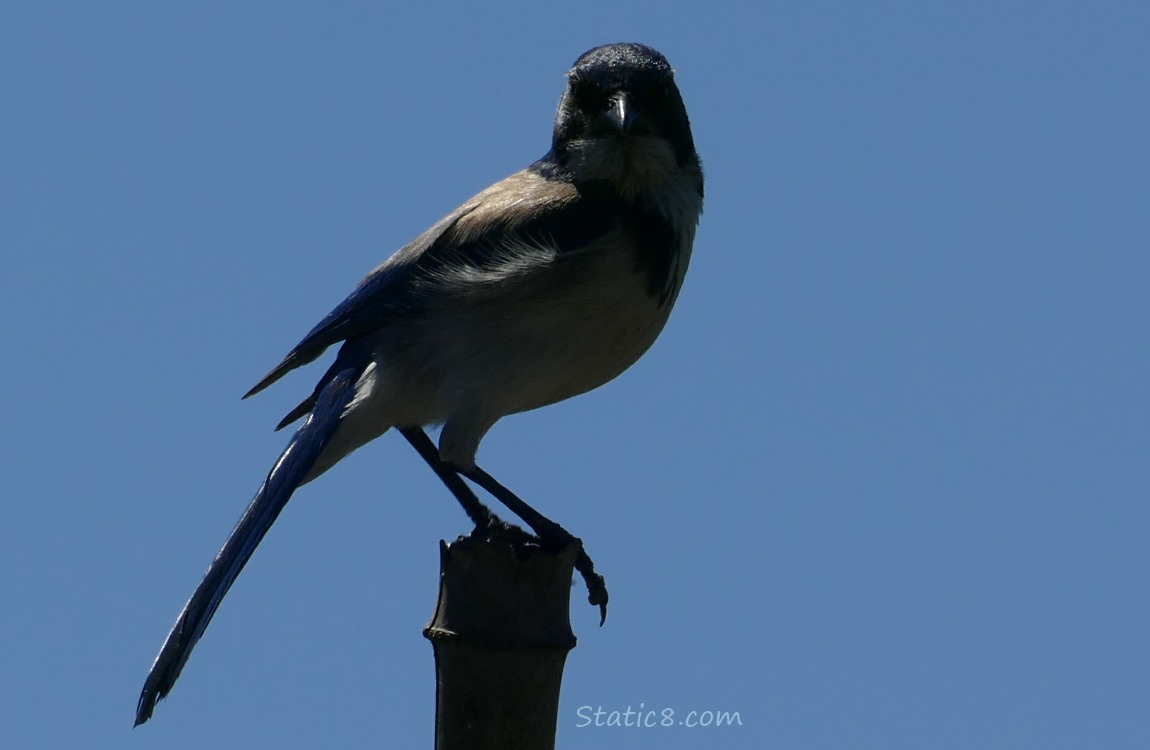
x=558 y=539
x=596 y=584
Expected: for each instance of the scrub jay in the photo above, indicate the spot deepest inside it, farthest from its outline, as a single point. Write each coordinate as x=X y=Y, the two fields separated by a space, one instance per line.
x=542 y=287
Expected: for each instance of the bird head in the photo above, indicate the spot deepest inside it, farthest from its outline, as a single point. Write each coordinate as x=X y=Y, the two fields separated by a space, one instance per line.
x=622 y=120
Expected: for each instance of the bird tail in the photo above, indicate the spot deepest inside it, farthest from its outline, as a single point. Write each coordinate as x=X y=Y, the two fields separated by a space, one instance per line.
x=289 y=471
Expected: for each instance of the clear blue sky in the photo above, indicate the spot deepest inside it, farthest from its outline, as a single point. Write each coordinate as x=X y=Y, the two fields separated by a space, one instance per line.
x=882 y=483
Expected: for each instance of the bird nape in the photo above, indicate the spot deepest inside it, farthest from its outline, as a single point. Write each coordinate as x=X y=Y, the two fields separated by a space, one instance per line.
x=544 y=286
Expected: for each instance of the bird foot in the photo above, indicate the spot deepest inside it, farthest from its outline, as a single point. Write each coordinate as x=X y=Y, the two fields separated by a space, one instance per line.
x=554 y=539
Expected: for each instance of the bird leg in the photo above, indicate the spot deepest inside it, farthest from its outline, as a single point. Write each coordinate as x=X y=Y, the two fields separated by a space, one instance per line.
x=551 y=535
x=479 y=513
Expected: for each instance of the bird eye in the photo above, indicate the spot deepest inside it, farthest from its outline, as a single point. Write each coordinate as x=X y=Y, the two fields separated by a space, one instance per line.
x=656 y=96
x=590 y=97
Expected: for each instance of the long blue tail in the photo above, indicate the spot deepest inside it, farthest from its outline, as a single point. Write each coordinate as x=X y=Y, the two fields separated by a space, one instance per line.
x=291 y=468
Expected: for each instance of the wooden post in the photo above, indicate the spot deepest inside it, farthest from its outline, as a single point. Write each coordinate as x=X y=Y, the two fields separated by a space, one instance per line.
x=500 y=633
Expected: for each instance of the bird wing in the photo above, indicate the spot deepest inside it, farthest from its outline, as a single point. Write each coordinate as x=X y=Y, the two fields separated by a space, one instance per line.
x=481 y=236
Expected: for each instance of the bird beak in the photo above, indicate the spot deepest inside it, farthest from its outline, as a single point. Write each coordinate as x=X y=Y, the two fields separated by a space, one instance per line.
x=623 y=114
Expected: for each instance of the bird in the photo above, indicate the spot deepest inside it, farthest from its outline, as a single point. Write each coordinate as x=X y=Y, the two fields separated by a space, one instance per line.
x=542 y=287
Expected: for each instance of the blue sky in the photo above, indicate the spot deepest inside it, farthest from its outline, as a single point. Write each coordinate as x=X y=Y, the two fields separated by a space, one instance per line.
x=882 y=483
